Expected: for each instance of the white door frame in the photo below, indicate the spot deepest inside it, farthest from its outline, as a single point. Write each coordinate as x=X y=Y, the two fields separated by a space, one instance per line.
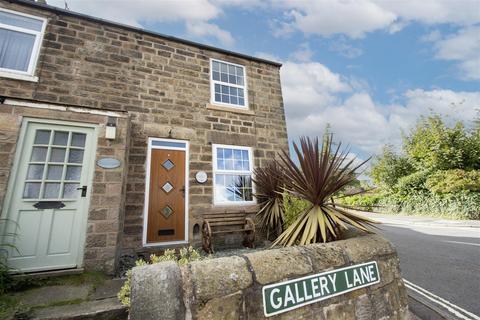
x=12 y=180
x=147 y=190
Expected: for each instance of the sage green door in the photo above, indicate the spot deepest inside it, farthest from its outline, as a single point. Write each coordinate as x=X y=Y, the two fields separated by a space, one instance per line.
x=47 y=210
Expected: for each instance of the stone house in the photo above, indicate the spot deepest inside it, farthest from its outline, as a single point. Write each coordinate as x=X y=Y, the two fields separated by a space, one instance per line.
x=115 y=140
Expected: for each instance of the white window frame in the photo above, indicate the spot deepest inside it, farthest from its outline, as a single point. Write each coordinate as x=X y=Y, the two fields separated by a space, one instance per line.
x=216 y=171
x=147 y=191
x=32 y=64
x=213 y=82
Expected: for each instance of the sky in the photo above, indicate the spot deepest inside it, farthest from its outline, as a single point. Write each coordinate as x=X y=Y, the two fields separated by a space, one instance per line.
x=366 y=68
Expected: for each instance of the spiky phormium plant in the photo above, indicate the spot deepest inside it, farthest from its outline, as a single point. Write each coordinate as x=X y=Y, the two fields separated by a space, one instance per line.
x=269 y=188
x=321 y=173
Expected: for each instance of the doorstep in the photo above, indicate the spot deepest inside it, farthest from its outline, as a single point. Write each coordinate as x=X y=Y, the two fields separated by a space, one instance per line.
x=65 y=302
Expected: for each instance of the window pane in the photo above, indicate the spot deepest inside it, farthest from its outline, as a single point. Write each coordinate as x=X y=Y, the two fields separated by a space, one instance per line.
x=215 y=66
x=233 y=91
x=225 y=98
x=16 y=49
x=39 y=154
x=32 y=190
x=51 y=190
x=228 y=153
x=229 y=164
x=216 y=76
x=54 y=172
x=233 y=100
x=217 y=88
x=218 y=97
x=70 y=190
x=78 y=139
x=237 y=154
x=223 y=77
x=75 y=156
x=221 y=165
x=238 y=165
x=240 y=71
x=240 y=93
x=231 y=69
x=60 y=138
x=233 y=188
x=246 y=165
x=225 y=89
x=241 y=101
x=57 y=155
x=42 y=137
x=73 y=173
x=220 y=153
x=20 y=21
x=240 y=81
x=223 y=67
x=35 y=172
x=232 y=79
x=245 y=155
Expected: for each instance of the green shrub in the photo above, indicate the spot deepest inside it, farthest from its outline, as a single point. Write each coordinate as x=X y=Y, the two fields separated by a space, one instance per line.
x=366 y=201
x=452 y=181
x=462 y=205
x=185 y=256
x=293 y=206
x=413 y=183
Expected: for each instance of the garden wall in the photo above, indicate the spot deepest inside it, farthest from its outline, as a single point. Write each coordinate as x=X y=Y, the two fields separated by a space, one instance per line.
x=231 y=287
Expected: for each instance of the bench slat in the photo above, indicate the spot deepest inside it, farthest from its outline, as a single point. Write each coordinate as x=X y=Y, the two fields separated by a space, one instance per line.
x=230 y=231
x=227 y=223
x=225 y=219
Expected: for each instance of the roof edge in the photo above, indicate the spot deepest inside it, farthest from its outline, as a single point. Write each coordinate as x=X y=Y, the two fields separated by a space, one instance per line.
x=32 y=3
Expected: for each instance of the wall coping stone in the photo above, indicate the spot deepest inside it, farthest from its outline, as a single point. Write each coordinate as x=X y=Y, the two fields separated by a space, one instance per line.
x=231 y=287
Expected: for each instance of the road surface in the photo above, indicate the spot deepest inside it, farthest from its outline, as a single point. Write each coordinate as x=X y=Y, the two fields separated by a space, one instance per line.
x=444 y=260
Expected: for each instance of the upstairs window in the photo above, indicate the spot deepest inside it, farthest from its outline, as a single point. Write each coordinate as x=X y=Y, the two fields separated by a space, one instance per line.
x=232 y=174
x=20 y=39
x=228 y=84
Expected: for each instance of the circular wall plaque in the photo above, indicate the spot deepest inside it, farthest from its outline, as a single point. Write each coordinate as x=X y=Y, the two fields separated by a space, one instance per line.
x=108 y=163
x=201 y=176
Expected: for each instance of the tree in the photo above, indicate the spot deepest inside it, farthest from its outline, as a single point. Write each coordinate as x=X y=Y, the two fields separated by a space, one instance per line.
x=432 y=145
x=389 y=167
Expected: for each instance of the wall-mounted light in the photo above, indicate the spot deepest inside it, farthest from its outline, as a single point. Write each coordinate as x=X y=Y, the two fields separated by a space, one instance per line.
x=111 y=128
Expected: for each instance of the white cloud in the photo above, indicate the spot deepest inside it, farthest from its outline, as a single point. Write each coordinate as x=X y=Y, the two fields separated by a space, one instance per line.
x=345 y=49
x=463 y=47
x=315 y=96
x=194 y=13
x=356 y=18
x=202 y=29
x=303 y=53
x=329 y=17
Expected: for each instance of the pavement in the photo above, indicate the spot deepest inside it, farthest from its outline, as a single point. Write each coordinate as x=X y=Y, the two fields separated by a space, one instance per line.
x=84 y=301
x=440 y=262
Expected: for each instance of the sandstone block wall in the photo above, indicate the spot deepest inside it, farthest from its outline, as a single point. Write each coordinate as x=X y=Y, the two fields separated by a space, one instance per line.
x=163 y=86
x=231 y=287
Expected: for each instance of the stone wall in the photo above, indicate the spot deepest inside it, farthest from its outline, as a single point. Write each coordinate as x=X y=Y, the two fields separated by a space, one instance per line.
x=163 y=85
x=231 y=287
x=105 y=215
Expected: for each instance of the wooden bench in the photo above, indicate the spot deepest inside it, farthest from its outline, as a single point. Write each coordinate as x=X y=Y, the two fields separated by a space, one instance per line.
x=224 y=222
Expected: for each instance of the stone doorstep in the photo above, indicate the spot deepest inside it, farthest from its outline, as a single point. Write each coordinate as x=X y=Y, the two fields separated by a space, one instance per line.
x=108 y=289
x=54 y=294
x=106 y=309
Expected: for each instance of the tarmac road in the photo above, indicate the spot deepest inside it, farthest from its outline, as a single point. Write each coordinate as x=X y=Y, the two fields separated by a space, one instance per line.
x=440 y=258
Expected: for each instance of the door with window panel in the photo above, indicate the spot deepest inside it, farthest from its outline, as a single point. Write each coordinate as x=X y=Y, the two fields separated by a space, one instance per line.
x=49 y=202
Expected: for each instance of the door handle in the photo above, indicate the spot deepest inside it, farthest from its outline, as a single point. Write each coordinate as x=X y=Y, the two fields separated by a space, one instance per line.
x=84 y=191
x=182 y=189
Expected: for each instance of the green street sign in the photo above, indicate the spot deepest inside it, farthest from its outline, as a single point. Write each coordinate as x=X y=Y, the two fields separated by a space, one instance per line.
x=292 y=294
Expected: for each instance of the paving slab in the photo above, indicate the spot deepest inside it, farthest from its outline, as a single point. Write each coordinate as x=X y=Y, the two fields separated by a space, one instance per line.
x=108 y=289
x=106 y=309
x=54 y=294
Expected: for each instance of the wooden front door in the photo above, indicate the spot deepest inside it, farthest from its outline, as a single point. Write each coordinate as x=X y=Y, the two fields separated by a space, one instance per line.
x=166 y=205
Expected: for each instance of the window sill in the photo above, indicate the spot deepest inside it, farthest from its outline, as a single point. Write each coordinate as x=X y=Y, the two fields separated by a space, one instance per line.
x=17 y=76
x=230 y=109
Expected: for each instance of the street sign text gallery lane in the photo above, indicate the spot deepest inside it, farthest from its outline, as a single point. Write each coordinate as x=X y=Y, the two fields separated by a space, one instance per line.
x=292 y=294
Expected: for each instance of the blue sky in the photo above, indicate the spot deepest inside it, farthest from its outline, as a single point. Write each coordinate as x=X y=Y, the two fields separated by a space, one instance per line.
x=368 y=68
